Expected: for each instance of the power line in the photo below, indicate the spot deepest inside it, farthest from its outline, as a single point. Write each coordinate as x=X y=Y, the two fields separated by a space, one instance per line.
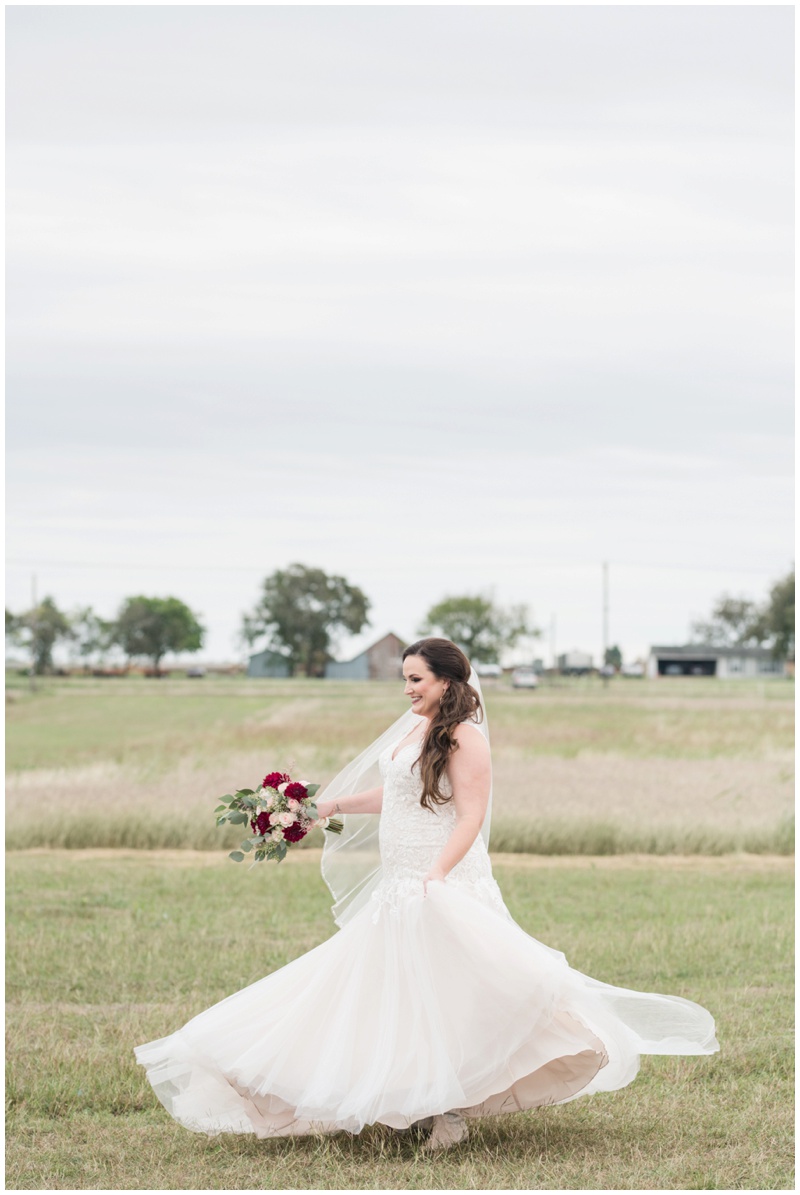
x=129 y=565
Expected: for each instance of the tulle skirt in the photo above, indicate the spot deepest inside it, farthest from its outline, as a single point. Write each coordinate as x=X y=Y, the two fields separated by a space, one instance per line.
x=438 y=1005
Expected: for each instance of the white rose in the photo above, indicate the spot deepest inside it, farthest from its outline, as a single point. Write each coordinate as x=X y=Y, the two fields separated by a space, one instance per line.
x=286 y=819
x=293 y=805
x=270 y=802
x=282 y=787
x=276 y=835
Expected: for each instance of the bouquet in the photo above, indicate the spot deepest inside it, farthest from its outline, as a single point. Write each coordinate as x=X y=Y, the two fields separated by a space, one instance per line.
x=281 y=812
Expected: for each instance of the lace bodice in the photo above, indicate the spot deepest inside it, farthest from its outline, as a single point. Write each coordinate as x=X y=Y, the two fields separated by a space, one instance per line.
x=411 y=837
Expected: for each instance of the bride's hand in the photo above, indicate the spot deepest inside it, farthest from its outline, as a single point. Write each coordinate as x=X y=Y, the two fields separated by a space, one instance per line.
x=435 y=875
x=324 y=808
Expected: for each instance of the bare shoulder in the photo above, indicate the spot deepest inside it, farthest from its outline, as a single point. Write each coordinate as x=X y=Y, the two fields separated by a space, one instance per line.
x=471 y=741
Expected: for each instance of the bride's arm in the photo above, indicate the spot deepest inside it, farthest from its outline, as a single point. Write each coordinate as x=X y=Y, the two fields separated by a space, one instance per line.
x=470 y=772
x=370 y=801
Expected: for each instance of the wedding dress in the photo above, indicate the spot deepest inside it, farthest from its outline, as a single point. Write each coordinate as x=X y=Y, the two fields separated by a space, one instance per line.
x=419 y=1005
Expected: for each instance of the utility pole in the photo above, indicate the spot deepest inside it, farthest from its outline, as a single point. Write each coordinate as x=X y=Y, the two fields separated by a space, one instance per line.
x=553 y=660
x=33 y=635
x=605 y=618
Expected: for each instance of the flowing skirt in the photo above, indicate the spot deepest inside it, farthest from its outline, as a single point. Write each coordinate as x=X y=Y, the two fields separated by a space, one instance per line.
x=439 y=1005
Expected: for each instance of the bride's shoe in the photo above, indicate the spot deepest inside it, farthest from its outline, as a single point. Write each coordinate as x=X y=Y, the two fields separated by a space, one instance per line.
x=448 y=1130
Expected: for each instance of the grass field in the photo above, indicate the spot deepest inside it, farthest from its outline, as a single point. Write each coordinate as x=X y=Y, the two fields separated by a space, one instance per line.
x=108 y=949
x=662 y=767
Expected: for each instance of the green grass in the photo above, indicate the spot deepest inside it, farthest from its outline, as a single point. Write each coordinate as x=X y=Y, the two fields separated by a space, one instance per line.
x=662 y=767
x=146 y=724
x=106 y=952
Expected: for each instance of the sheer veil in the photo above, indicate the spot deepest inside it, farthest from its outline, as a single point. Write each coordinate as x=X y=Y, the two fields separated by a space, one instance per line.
x=351 y=865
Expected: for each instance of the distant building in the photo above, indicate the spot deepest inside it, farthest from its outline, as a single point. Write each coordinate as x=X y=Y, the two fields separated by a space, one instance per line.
x=726 y=663
x=382 y=661
x=575 y=663
x=268 y=663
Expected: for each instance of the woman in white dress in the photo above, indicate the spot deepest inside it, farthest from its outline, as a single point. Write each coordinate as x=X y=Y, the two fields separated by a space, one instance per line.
x=430 y=1005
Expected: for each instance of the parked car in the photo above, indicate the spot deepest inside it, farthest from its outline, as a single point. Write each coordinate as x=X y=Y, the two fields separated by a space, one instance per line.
x=524 y=678
x=488 y=670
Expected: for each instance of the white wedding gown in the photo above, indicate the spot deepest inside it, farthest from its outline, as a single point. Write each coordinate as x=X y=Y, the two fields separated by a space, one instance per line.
x=420 y=1005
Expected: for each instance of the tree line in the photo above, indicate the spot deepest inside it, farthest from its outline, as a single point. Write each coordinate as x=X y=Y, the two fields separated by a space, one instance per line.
x=740 y=622
x=148 y=627
x=301 y=611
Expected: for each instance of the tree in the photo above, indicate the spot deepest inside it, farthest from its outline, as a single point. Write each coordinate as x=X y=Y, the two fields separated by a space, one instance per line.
x=734 y=622
x=39 y=630
x=480 y=628
x=153 y=626
x=93 y=635
x=776 y=620
x=613 y=656
x=300 y=611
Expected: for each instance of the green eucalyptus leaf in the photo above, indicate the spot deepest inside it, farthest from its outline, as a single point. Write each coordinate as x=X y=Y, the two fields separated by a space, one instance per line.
x=238 y=819
x=312 y=788
x=237 y=856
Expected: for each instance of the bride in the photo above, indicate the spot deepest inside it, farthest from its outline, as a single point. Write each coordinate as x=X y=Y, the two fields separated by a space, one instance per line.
x=430 y=1005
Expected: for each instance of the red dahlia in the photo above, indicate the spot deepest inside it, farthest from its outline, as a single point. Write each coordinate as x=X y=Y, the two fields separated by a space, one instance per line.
x=274 y=779
x=294 y=833
x=298 y=791
x=263 y=822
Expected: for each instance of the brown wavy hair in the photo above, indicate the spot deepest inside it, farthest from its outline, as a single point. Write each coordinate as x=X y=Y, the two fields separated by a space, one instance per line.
x=460 y=703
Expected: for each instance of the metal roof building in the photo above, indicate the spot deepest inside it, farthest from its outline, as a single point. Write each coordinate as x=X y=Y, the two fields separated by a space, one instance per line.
x=726 y=663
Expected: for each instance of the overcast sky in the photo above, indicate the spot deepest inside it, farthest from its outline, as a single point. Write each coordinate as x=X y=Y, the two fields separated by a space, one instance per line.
x=444 y=299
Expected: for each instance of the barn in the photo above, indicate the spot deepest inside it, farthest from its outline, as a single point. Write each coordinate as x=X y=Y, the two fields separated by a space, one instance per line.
x=726 y=663
x=382 y=661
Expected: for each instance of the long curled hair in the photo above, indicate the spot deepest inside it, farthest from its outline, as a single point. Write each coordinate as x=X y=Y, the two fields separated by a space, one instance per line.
x=460 y=703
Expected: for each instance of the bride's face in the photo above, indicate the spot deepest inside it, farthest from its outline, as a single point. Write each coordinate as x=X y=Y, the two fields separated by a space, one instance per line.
x=423 y=686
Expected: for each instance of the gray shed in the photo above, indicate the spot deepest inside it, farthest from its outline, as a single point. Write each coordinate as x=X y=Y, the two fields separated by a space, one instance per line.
x=382 y=661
